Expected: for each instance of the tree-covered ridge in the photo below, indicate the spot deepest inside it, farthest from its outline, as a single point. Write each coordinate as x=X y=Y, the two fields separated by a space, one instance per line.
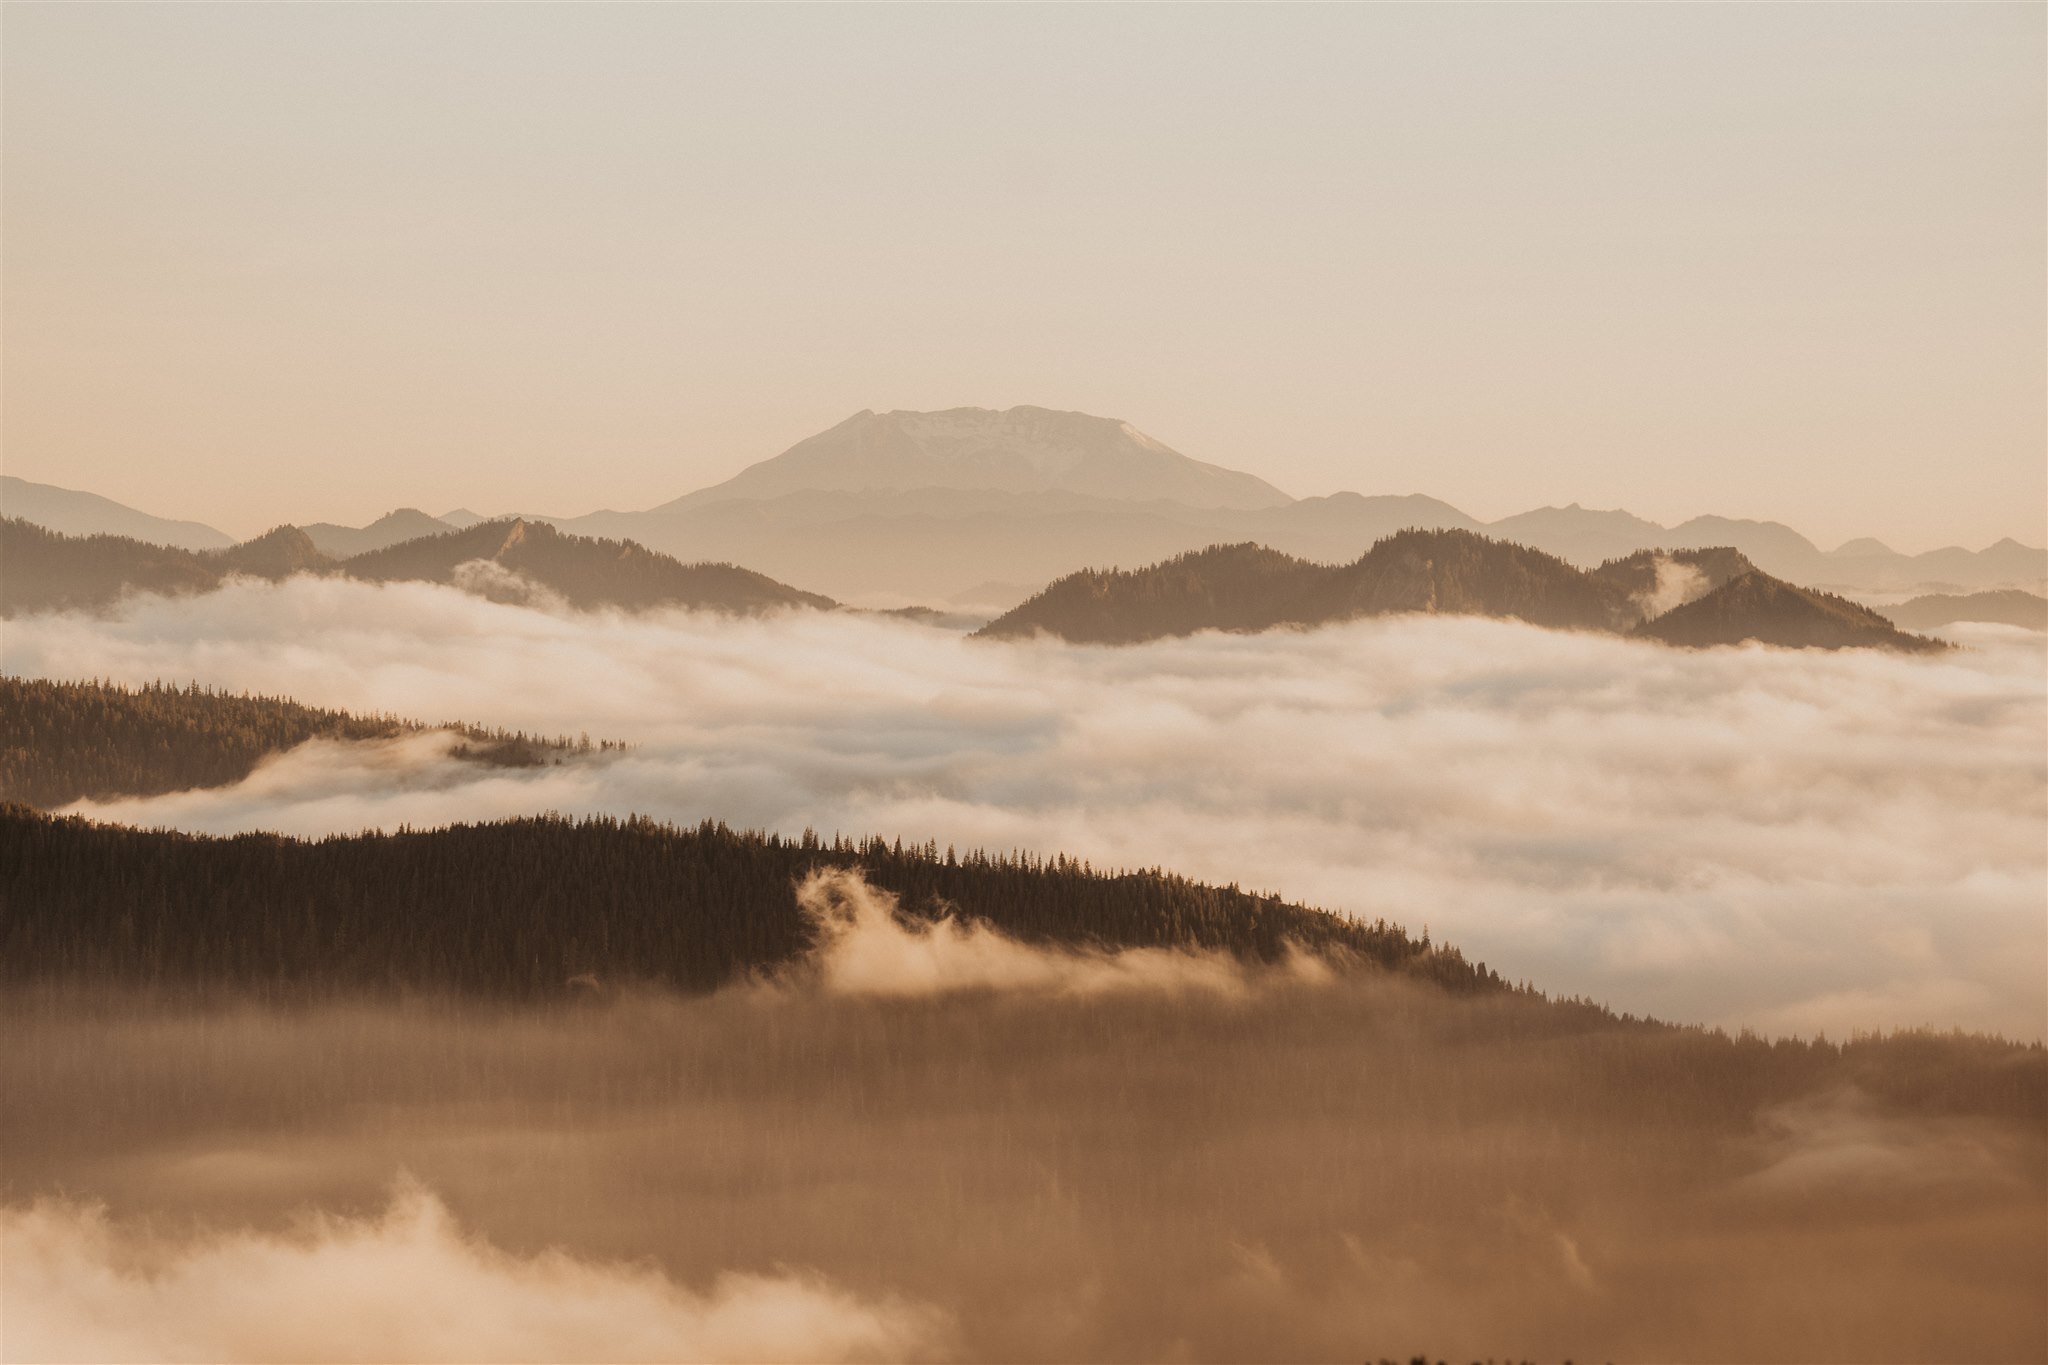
x=45 y=571
x=68 y=741
x=521 y=907
x=1248 y=587
x=584 y=571
x=1641 y=574
x=1765 y=609
x=2008 y=606
x=41 y=570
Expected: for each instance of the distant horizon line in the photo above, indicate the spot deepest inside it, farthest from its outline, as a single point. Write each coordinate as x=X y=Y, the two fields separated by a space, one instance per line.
x=1879 y=542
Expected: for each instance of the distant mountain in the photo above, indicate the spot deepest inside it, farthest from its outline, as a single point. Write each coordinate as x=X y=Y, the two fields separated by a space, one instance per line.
x=584 y=572
x=277 y=554
x=899 y=507
x=88 y=514
x=1658 y=580
x=1585 y=536
x=407 y=523
x=2010 y=607
x=1758 y=607
x=41 y=570
x=1248 y=587
x=1016 y=450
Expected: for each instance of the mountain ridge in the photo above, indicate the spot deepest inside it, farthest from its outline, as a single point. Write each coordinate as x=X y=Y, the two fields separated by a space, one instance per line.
x=509 y=561
x=1246 y=587
x=1017 y=449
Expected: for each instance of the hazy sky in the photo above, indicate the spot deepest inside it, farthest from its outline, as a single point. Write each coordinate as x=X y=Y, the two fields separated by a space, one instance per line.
x=303 y=263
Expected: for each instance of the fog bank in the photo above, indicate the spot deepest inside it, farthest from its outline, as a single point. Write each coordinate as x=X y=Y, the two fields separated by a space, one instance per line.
x=404 y=1285
x=1791 y=840
x=1359 y=1170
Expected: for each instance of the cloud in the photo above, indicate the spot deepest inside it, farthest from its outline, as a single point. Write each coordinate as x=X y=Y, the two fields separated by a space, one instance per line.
x=1676 y=585
x=1841 y=1142
x=864 y=947
x=1791 y=840
x=405 y=1285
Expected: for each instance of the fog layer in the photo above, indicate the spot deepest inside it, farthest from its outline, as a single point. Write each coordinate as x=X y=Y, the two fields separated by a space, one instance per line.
x=1352 y=1170
x=1791 y=840
x=404 y=1285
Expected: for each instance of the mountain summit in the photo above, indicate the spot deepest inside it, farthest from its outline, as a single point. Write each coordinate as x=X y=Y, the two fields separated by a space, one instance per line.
x=1016 y=450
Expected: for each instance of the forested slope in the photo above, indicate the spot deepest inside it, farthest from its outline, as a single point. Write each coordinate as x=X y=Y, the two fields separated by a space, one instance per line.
x=520 y=907
x=1766 y=610
x=41 y=570
x=67 y=741
x=1449 y=572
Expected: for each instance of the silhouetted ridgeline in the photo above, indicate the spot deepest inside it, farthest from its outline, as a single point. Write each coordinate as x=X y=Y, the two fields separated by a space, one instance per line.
x=41 y=570
x=519 y=907
x=1761 y=608
x=67 y=741
x=1247 y=587
x=2011 y=607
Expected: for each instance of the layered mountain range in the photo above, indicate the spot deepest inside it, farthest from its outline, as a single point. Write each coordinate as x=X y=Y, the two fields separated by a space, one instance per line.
x=978 y=508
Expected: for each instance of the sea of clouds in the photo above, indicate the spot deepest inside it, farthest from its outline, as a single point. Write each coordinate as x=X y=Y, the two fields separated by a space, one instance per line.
x=1789 y=840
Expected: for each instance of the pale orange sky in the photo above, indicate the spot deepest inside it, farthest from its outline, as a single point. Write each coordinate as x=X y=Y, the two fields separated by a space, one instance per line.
x=269 y=263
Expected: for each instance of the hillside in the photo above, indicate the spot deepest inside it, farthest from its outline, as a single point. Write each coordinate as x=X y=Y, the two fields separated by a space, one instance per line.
x=1757 y=607
x=75 y=513
x=1249 y=588
x=1017 y=450
x=584 y=572
x=1659 y=580
x=1714 y=595
x=407 y=523
x=2010 y=607
x=520 y=907
x=68 y=741
x=1462 y=573
x=41 y=570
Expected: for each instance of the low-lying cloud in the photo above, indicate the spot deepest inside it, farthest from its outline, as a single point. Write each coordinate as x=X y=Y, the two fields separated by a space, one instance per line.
x=864 y=947
x=1790 y=840
x=404 y=1285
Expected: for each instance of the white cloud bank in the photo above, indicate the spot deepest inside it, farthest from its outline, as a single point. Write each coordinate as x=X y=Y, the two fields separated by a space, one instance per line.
x=1790 y=840
x=865 y=948
x=407 y=1285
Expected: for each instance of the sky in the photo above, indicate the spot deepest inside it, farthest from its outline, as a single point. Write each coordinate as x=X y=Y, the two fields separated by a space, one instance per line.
x=267 y=264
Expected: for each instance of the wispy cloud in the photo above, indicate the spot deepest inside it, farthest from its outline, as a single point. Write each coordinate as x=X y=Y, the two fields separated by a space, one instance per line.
x=406 y=1284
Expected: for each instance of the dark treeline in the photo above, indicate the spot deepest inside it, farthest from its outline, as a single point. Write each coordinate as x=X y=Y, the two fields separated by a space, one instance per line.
x=68 y=741
x=1759 y=607
x=520 y=907
x=1248 y=587
x=41 y=570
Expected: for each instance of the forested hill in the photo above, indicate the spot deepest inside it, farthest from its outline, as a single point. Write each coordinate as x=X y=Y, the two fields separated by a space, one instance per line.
x=2011 y=607
x=1248 y=587
x=41 y=570
x=68 y=741
x=582 y=571
x=1765 y=609
x=520 y=907
x=45 y=571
